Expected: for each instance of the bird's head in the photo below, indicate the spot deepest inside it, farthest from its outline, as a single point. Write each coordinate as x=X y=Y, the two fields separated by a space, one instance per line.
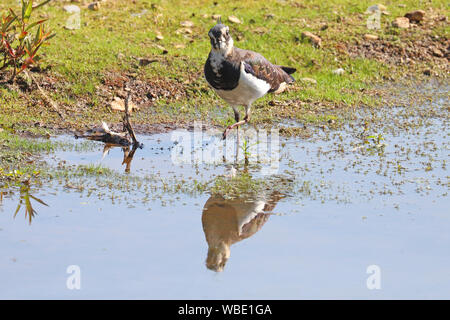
x=220 y=37
x=218 y=257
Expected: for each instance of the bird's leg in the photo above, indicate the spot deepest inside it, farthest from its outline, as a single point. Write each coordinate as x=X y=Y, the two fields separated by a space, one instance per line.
x=237 y=116
x=238 y=123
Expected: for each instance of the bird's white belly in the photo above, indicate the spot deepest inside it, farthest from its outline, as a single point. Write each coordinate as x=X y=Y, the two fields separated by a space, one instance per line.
x=249 y=89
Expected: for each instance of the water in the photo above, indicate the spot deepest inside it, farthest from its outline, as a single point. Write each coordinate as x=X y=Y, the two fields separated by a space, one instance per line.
x=330 y=208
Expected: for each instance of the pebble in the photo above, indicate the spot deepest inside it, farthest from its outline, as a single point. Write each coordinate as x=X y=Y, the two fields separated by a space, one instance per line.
x=316 y=41
x=370 y=37
x=71 y=8
x=375 y=8
x=437 y=53
x=95 y=6
x=339 y=71
x=401 y=22
x=309 y=80
x=234 y=19
x=415 y=16
x=118 y=104
x=187 y=24
x=145 y=61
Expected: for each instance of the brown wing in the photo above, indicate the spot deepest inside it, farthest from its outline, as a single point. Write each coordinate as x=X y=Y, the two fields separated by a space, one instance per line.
x=261 y=68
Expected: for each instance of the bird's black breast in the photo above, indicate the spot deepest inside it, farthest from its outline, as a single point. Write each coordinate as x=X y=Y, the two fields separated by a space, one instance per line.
x=226 y=77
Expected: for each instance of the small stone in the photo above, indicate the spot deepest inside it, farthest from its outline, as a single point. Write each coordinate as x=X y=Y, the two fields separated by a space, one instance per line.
x=71 y=8
x=370 y=37
x=401 y=22
x=338 y=71
x=375 y=8
x=260 y=30
x=145 y=61
x=437 y=53
x=118 y=104
x=415 y=16
x=184 y=30
x=381 y=7
x=309 y=80
x=159 y=36
x=315 y=40
x=95 y=6
x=139 y=14
x=234 y=19
x=187 y=24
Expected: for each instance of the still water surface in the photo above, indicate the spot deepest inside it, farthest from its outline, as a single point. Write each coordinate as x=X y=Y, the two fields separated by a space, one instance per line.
x=349 y=205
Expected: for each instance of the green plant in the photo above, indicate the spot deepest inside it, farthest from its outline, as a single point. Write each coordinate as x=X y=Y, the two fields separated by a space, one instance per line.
x=246 y=146
x=19 y=43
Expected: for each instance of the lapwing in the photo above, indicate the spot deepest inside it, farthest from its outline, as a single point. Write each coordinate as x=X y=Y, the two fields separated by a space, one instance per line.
x=227 y=221
x=241 y=76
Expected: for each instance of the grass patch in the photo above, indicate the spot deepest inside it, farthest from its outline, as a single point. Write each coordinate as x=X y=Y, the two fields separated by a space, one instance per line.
x=79 y=63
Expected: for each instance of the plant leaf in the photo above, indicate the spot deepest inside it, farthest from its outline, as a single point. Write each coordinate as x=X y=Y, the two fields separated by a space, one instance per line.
x=34 y=24
x=18 y=208
x=27 y=12
x=39 y=200
x=8 y=24
x=41 y=4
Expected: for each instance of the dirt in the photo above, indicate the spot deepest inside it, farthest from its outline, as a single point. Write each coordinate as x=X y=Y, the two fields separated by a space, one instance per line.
x=144 y=92
x=428 y=48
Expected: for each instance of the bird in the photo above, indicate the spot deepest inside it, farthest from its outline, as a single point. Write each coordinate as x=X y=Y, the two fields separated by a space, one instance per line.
x=241 y=76
x=228 y=221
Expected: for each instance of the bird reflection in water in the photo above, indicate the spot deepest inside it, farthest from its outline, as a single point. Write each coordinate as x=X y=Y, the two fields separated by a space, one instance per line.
x=227 y=220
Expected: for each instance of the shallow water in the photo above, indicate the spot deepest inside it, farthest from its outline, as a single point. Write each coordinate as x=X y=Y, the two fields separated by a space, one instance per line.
x=335 y=205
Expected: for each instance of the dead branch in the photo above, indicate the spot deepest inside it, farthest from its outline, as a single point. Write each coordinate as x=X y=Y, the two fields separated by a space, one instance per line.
x=124 y=138
x=126 y=119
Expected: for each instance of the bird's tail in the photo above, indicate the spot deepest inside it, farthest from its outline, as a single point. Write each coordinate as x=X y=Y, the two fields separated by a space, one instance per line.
x=288 y=70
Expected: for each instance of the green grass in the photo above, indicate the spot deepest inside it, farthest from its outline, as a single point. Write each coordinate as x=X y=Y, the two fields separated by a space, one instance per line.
x=110 y=40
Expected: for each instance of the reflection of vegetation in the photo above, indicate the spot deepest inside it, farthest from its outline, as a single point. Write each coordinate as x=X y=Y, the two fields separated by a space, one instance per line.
x=374 y=144
x=238 y=186
x=243 y=185
x=25 y=198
